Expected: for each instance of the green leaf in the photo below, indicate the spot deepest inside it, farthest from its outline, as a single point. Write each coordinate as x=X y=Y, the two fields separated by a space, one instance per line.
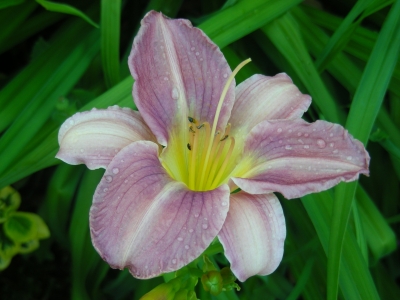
x=42 y=231
x=7 y=3
x=66 y=9
x=243 y=18
x=9 y=202
x=362 y=115
x=29 y=246
x=110 y=32
x=21 y=227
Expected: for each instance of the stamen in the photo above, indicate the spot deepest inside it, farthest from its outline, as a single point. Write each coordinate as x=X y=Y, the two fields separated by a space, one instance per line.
x=192 y=120
x=224 y=138
x=192 y=171
x=189 y=147
x=223 y=167
x=216 y=117
x=200 y=126
x=191 y=129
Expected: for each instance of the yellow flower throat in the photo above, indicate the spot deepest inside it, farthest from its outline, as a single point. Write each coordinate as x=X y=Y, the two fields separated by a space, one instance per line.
x=201 y=157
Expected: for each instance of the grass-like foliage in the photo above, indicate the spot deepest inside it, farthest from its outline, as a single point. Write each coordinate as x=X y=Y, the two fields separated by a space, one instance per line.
x=57 y=59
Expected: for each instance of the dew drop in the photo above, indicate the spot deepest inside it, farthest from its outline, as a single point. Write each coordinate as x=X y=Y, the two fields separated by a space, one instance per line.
x=82 y=150
x=71 y=122
x=349 y=158
x=175 y=93
x=290 y=130
x=288 y=147
x=105 y=190
x=335 y=151
x=225 y=75
x=224 y=203
x=331 y=145
x=299 y=134
x=180 y=239
x=331 y=135
x=196 y=215
x=205 y=226
x=108 y=178
x=115 y=170
x=300 y=141
x=306 y=134
x=321 y=143
x=193 y=48
x=166 y=78
x=197 y=53
x=279 y=130
x=93 y=109
x=126 y=181
x=187 y=247
x=190 y=230
x=280 y=141
x=306 y=146
x=174 y=261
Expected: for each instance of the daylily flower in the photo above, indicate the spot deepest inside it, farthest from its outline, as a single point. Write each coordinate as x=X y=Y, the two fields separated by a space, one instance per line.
x=171 y=167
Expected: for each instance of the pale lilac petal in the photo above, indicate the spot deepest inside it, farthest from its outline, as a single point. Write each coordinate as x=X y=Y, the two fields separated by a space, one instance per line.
x=253 y=234
x=95 y=137
x=179 y=73
x=144 y=220
x=296 y=158
x=266 y=98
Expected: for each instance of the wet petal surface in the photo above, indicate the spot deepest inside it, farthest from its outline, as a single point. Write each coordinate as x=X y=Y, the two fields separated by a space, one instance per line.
x=296 y=158
x=266 y=98
x=253 y=234
x=95 y=137
x=179 y=73
x=143 y=220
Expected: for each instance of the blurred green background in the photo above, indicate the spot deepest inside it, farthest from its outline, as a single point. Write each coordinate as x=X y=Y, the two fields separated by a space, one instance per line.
x=60 y=58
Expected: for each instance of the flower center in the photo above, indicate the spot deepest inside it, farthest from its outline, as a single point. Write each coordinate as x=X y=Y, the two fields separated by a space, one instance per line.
x=206 y=161
x=208 y=169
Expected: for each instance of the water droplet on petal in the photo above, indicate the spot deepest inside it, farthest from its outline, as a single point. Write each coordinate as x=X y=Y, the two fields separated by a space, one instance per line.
x=331 y=145
x=299 y=134
x=190 y=230
x=180 y=239
x=331 y=135
x=197 y=53
x=306 y=146
x=290 y=130
x=175 y=93
x=335 y=151
x=71 y=122
x=196 y=215
x=187 y=247
x=321 y=143
x=224 y=203
x=115 y=170
x=193 y=48
x=280 y=141
x=165 y=78
x=174 y=261
x=349 y=158
x=205 y=226
x=108 y=178
x=82 y=150
x=288 y=147
x=225 y=75
x=279 y=130
x=105 y=190
x=306 y=134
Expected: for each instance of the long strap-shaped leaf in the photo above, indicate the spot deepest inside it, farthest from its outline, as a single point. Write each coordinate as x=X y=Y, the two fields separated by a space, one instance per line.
x=110 y=32
x=363 y=112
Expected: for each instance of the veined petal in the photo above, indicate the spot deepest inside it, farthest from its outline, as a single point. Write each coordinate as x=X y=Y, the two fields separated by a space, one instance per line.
x=253 y=234
x=95 y=137
x=179 y=73
x=296 y=158
x=143 y=220
x=266 y=98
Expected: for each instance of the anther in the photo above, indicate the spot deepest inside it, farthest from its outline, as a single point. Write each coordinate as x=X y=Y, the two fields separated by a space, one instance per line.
x=191 y=129
x=192 y=120
x=224 y=138
x=189 y=147
x=200 y=126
